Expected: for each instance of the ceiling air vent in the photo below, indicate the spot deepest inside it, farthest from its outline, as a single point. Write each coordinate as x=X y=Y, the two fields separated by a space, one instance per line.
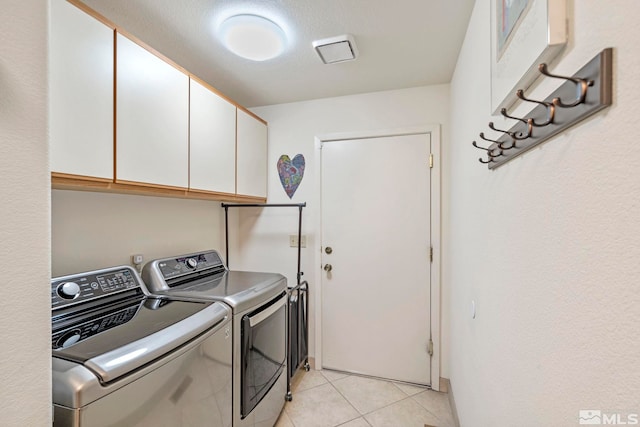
x=336 y=49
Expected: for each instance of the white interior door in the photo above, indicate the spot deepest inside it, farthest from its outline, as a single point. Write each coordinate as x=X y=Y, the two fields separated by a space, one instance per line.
x=376 y=220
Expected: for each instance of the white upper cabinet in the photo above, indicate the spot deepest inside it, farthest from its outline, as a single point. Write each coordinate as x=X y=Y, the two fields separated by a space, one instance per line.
x=212 y=141
x=152 y=118
x=81 y=93
x=252 y=156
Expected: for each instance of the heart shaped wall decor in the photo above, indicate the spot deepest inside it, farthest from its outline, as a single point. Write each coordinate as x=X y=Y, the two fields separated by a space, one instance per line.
x=291 y=172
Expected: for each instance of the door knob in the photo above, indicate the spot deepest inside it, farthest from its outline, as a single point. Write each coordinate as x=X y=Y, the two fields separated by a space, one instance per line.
x=328 y=267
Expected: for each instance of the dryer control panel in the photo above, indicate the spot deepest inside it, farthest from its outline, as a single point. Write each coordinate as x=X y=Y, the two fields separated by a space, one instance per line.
x=82 y=287
x=185 y=265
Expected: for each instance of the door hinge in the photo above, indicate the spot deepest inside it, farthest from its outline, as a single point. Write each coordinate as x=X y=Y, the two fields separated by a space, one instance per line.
x=430 y=160
x=430 y=347
x=431 y=254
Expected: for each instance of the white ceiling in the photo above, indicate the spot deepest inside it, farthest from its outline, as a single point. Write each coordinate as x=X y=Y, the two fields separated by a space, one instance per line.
x=401 y=43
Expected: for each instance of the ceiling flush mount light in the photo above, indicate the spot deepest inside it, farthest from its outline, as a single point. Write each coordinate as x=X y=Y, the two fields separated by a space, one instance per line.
x=253 y=37
x=336 y=49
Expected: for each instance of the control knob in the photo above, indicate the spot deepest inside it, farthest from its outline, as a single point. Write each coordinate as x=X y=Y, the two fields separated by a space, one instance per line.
x=69 y=338
x=68 y=290
x=192 y=262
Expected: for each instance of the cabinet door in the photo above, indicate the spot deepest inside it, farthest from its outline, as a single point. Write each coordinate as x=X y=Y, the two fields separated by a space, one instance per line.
x=212 y=141
x=252 y=156
x=152 y=118
x=81 y=93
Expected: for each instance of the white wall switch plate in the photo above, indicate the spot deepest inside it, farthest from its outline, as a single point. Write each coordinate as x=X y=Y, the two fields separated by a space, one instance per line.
x=293 y=241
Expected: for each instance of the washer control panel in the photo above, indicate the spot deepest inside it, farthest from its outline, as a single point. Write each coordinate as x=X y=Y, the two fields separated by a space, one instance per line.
x=175 y=267
x=82 y=287
x=67 y=337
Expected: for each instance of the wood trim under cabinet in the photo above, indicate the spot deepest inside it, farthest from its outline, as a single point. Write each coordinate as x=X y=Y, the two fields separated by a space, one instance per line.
x=61 y=181
x=239 y=198
x=207 y=194
x=70 y=178
x=149 y=185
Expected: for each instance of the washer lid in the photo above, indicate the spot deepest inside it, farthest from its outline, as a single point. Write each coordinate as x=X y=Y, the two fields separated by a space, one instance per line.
x=115 y=341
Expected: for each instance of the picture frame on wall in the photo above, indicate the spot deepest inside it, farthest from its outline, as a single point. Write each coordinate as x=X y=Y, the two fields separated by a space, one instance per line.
x=524 y=33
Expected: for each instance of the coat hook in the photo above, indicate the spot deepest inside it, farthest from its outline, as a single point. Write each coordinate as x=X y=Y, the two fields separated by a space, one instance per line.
x=490 y=151
x=475 y=144
x=503 y=111
x=500 y=147
x=528 y=122
x=516 y=136
x=581 y=87
x=551 y=109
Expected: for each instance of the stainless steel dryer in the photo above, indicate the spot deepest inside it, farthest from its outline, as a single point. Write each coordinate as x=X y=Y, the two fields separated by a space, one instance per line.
x=123 y=358
x=258 y=301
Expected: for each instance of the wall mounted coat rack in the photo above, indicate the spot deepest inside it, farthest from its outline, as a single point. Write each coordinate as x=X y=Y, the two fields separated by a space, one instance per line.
x=585 y=93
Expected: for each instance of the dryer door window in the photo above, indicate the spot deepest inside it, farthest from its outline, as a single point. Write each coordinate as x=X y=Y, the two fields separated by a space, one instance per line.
x=263 y=351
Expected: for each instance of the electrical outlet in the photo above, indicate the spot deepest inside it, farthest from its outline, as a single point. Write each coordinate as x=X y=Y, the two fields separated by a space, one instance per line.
x=293 y=241
x=137 y=259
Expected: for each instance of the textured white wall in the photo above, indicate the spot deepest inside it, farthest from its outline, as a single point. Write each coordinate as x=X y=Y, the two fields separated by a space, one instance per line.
x=264 y=242
x=98 y=230
x=547 y=245
x=25 y=395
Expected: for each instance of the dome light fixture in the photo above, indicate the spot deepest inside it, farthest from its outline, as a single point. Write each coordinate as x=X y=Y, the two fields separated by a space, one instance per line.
x=253 y=37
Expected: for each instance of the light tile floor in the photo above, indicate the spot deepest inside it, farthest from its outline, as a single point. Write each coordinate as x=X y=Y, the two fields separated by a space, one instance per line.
x=330 y=398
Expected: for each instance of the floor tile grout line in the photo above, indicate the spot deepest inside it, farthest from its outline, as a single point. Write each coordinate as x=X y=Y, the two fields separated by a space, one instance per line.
x=402 y=400
x=290 y=420
x=396 y=386
x=390 y=404
x=407 y=396
x=363 y=416
x=337 y=379
x=394 y=382
x=344 y=397
x=422 y=406
x=371 y=412
x=310 y=388
x=347 y=422
x=350 y=404
x=288 y=417
x=360 y=415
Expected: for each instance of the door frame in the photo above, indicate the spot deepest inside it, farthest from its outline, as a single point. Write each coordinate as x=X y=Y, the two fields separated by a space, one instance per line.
x=435 y=301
